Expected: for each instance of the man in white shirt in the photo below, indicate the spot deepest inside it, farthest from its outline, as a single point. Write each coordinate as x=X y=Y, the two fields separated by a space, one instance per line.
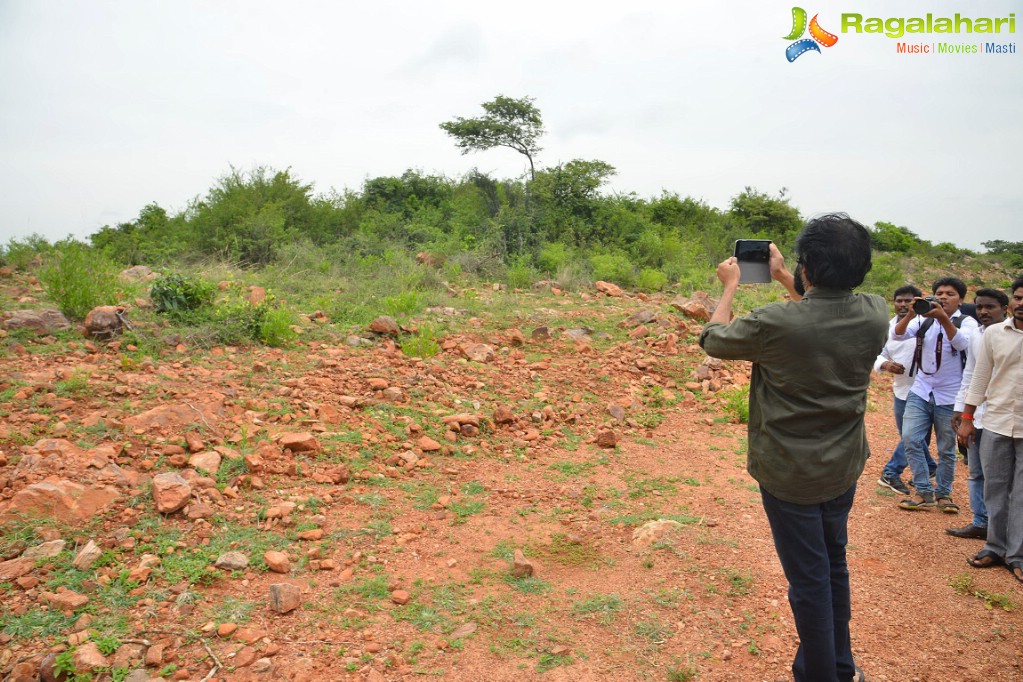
x=997 y=379
x=942 y=333
x=991 y=305
x=895 y=358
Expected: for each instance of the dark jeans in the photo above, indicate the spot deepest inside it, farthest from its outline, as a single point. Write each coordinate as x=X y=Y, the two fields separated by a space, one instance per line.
x=810 y=540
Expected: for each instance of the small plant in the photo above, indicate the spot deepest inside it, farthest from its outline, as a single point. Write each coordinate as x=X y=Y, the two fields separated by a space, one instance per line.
x=653 y=629
x=107 y=645
x=422 y=345
x=963 y=584
x=736 y=402
x=176 y=293
x=682 y=672
x=64 y=664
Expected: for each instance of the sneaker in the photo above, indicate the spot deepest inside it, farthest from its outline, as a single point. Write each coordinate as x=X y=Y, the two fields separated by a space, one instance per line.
x=918 y=501
x=893 y=482
x=970 y=531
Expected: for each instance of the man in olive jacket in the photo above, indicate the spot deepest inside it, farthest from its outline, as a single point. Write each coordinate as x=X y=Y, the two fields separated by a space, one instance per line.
x=812 y=357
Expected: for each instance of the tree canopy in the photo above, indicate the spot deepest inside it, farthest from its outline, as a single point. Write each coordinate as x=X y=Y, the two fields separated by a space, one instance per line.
x=508 y=122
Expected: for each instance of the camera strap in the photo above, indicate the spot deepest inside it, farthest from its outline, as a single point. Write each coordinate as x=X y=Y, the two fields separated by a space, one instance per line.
x=918 y=352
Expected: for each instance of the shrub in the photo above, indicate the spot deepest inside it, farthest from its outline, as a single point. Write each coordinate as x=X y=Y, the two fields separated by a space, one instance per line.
x=176 y=293
x=423 y=345
x=274 y=326
x=613 y=267
x=736 y=402
x=651 y=279
x=553 y=257
x=20 y=253
x=521 y=273
x=78 y=279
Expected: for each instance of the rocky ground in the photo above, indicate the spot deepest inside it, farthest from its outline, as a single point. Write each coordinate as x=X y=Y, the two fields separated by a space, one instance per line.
x=560 y=493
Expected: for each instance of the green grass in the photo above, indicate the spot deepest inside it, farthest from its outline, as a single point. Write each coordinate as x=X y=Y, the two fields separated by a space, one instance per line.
x=653 y=629
x=600 y=607
x=35 y=623
x=641 y=487
x=566 y=552
x=963 y=584
x=530 y=585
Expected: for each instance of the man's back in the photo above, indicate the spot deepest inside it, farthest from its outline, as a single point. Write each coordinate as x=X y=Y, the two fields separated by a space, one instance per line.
x=812 y=363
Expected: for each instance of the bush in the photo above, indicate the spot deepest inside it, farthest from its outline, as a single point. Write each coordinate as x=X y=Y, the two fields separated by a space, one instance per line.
x=736 y=402
x=521 y=273
x=78 y=279
x=613 y=267
x=651 y=279
x=423 y=345
x=20 y=253
x=176 y=293
x=553 y=257
x=273 y=327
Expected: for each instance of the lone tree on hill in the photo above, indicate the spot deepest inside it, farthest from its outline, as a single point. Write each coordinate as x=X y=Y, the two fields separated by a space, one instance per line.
x=508 y=122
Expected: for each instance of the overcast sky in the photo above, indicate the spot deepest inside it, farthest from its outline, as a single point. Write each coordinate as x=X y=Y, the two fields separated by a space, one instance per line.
x=108 y=106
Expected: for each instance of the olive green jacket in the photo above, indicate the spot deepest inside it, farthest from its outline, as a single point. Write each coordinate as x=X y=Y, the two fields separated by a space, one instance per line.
x=808 y=391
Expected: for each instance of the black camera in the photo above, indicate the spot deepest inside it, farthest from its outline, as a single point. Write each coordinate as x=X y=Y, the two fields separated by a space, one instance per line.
x=922 y=306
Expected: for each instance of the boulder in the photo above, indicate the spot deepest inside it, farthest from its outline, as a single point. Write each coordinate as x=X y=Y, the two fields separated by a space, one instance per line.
x=104 y=322
x=60 y=500
x=384 y=325
x=42 y=322
x=608 y=289
x=299 y=442
x=285 y=597
x=171 y=492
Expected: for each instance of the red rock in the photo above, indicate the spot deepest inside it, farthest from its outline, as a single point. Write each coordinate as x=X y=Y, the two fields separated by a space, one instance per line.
x=378 y=384
x=195 y=442
x=277 y=561
x=104 y=322
x=299 y=442
x=171 y=492
x=609 y=289
x=607 y=439
x=15 y=568
x=521 y=566
x=42 y=322
x=206 y=461
x=245 y=657
x=480 y=352
x=313 y=534
x=427 y=444
x=88 y=658
x=401 y=597
x=285 y=597
x=249 y=635
x=64 y=599
x=61 y=500
x=256 y=295
x=226 y=629
x=503 y=415
x=384 y=325
x=154 y=655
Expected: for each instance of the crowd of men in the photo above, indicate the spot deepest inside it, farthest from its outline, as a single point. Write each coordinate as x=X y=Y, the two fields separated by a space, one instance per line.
x=958 y=377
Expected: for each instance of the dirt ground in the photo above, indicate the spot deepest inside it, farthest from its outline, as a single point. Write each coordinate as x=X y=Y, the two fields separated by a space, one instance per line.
x=409 y=571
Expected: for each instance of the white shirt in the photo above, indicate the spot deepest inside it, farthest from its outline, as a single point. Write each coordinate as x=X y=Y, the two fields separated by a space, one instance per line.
x=998 y=379
x=902 y=353
x=971 y=363
x=944 y=381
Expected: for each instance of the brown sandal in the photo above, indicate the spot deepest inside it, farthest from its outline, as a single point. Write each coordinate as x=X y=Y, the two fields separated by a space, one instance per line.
x=946 y=505
x=985 y=560
x=1016 y=568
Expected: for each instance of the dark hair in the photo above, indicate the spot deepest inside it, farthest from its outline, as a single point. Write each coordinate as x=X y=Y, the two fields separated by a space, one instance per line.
x=834 y=251
x=953 y=282
x=908 y=289
x=999 y=296
x=1016 y=284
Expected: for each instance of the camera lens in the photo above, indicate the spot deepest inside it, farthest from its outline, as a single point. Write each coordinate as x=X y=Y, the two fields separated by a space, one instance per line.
x=922 y=306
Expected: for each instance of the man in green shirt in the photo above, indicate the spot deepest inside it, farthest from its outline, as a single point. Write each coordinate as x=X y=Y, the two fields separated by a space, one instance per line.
x=812 y=357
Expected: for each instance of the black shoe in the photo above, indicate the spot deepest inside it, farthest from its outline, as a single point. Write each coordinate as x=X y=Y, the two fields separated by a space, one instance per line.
x=970 y=531
x=893 y=482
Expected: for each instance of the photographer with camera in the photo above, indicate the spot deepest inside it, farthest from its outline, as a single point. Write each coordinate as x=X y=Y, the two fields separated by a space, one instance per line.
x=942 y=333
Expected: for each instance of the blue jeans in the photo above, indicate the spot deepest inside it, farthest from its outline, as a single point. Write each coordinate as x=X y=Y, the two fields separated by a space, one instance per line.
x=921 y=415
x=897 y=464
x=810 y=540
x=975 y=481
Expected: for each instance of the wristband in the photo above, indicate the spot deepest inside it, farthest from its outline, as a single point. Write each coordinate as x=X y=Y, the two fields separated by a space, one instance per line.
x=967 y=417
